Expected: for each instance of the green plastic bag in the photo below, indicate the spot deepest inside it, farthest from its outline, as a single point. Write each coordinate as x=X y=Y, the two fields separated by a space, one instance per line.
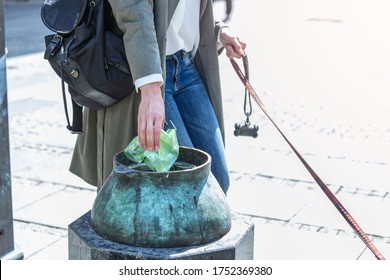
x=159 y=161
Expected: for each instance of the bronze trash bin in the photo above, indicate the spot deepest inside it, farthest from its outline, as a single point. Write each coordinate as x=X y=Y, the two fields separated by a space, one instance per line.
x=184 y=207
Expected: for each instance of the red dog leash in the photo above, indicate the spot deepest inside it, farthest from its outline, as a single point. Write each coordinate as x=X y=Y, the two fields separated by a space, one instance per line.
x=350 y=220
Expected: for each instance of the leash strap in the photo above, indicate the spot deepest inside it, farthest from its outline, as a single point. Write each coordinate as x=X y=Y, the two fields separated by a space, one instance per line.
x=247 y=98
x=350 y=220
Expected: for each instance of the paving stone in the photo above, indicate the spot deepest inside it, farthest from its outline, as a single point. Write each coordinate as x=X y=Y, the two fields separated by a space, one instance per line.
x=251 y=160
x=372 y=213
x=321 y=212
x=266 y=197
x=289 y=167
x=279 y=242
x=59 y=209
x=341 y=147
x=27 y=192
x=354 y=174
x=53 y=169
x=37 y=128
x=56 y=251
x=334 y=171
x=32 y=238
x=33 y=69
x=384 y=249
x=369 y=213
x=20 y=160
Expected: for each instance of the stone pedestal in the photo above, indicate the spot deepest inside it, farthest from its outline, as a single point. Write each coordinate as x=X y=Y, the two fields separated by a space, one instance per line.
x=7 y=246
x=86 y=244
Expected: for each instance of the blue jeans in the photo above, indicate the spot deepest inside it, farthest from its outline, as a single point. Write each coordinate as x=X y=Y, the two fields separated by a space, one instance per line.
x=188 y=107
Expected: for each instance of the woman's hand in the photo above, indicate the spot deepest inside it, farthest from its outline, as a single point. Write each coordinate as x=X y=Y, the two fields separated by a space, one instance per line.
x=151 y=116
x=232 y=44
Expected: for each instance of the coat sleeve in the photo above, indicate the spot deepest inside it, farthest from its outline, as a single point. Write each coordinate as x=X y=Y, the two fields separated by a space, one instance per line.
x=136 y=20
x=218 y=25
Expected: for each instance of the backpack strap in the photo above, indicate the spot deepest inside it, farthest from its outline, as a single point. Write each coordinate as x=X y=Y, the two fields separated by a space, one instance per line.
x=77 y=122
x=53 y=46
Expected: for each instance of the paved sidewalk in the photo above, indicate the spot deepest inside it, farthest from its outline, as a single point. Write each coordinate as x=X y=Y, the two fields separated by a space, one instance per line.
x=324 y=76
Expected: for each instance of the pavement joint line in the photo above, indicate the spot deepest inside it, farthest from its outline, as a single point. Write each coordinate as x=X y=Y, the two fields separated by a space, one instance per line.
x=298 y=211
x=65 y=186
x=289 y=152
x=272 y=177
x=40 y=199
x=64 y=234
x=40 y=250
x=86 y=188
x=338 y=189
x=316 y=228
x=51 y=149
x=341 y=158
x=361 y=254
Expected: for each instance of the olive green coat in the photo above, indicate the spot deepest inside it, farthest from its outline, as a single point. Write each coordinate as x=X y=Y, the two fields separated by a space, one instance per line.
x=109 y=131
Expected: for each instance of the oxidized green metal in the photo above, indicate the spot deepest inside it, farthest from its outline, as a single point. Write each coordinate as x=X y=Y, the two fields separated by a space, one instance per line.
x=162 y=209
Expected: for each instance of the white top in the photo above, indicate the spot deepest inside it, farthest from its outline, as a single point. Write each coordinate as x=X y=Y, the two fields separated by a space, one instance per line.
x=183 y=30
x=182 y=34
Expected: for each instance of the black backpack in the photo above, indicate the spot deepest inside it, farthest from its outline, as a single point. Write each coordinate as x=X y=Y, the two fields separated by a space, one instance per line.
x=87 y=53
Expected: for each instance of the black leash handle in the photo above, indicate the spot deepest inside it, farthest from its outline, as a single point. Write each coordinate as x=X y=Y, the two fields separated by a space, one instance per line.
x=247 y=98
x=350 y=220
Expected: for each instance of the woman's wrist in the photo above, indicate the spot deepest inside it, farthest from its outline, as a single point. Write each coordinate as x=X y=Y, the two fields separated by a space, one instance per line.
x=151 y=88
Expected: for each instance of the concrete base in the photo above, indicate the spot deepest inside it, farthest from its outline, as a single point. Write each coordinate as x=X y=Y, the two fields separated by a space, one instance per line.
x=86 y=244
x=16 y=254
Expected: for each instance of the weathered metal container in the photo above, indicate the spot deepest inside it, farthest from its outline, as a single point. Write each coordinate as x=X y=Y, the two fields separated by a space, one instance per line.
x=184 y=207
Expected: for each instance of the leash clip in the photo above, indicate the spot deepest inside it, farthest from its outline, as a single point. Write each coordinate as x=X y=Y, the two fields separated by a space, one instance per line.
x=246 y=129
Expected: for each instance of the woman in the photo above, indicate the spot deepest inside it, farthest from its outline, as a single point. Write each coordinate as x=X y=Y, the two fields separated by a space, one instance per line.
x=171 y=47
